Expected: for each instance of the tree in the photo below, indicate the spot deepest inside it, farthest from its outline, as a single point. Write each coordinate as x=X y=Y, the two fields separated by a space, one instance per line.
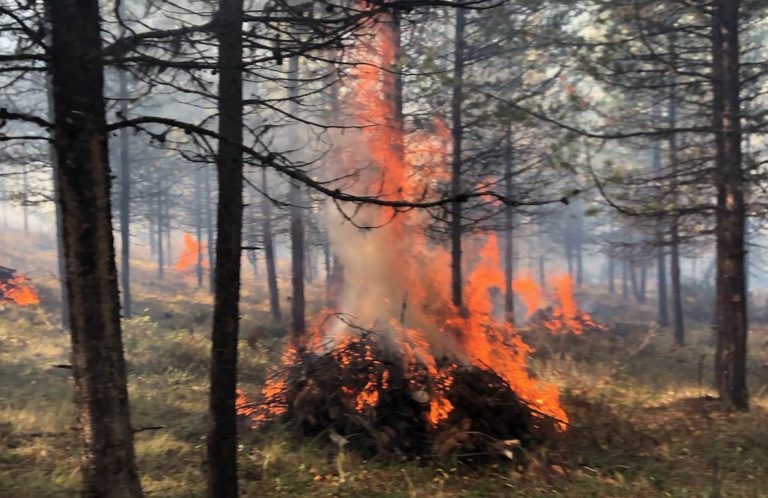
x=82 y=172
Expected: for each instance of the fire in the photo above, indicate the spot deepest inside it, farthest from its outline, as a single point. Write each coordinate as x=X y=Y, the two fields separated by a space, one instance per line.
x=566 y=316
x=192 y=252
x=17 y=291
x=530 y=293
x=397 y=282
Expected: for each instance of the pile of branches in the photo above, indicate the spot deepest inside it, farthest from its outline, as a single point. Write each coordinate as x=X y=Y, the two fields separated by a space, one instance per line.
x=488 y=420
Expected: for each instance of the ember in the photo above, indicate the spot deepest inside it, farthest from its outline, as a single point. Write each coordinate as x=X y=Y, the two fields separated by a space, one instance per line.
x=14 y=288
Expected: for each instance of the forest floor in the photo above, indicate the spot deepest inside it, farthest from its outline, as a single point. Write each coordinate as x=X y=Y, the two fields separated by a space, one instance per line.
x=643 y=424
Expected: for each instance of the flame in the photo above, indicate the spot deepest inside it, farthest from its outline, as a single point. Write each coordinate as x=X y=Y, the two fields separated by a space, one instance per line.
x=397 y=283
x=190 y=254
x=530 y=292
x=17 y=291
x=566 y=316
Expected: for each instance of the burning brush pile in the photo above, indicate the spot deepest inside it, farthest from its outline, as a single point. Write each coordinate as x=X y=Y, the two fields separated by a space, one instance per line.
x=14 y=288
x=397 y=368
x=562 y=316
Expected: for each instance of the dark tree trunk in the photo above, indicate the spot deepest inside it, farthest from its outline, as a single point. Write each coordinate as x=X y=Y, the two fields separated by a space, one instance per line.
x=168 y=228
x=509 y=262
x=298 y=304
x=125 y=202
x=611 y=275
x=60 y=258
x=199 y=227
x=269 y=249
x=210 y=228
x=25 y=197
x=625 y=280
x=643 y=283
x=159 y=225
x=222 y=434
x=674 y=230
x=457 y=133
x=731 y=306
x=661 y=257
x=107 y=462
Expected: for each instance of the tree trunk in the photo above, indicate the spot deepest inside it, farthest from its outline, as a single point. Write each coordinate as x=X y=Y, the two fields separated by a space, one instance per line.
x=509 y=263
x=83 y=178
x=661 y=257
x=269 y=249
x=222 y=434
x=298 y=304
x=159 y=225
x=611 y=275
x=674 y=229
x=731 y=306
x=125 y=201
x=457 y=134
x=210 y=228
x=60 y=259
x=625 y=280
x=199 y=227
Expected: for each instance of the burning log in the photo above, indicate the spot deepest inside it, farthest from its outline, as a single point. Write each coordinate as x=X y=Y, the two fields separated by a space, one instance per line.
x=363 y=393
x=556 y=322
x=14 y=289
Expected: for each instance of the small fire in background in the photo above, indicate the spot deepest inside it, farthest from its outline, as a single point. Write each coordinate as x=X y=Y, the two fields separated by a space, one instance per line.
x=15 y=289
x=563 y=316
x=192 y=252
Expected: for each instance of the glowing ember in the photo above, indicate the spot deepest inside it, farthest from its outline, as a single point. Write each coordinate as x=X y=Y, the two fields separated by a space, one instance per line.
x=18 y=292
x=192 y=252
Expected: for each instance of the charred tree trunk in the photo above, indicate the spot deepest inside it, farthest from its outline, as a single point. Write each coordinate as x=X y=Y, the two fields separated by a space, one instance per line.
x=168 y=227
x=83 y=178
x=269 y=249
x=125 y=202
x=222 y=434
x=456 y=182
x=731 y=305
x=298 y=303
x=509 y=263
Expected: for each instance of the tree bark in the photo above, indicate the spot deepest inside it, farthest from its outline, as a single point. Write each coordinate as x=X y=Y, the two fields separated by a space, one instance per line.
x=298 y=304
x=222 y=434
x=199 y=227
x=159 y=225
x=83 y=179
x=269 y=249
x=509 y=263
x=209 y=227
x=457 y=133
x=125 y=201
x=661 y=257
x=731 y=306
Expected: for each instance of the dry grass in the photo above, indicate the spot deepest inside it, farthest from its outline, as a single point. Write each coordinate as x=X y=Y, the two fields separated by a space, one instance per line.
x=642 y=426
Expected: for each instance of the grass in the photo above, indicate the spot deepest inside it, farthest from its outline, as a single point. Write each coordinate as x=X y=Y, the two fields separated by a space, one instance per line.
x=642 y=424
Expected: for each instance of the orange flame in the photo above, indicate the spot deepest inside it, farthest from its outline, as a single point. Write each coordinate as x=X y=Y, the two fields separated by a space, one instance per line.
x=396 y=279
x=18 y=292
x=190 y=254
x=530 y=293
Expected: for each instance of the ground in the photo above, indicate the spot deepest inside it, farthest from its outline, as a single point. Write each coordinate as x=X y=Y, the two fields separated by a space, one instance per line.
x=643 y=421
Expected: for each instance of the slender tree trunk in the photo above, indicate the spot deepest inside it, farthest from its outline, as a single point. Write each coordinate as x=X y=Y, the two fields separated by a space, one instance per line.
x=199 y=227
x=611 y=275
x=661 y=258
x=509 y=264
x=269 y=249
x=25 y=196
x=643 y=283
x=168 y=228
x=731 y=306
x=159 y=224
x=625 y=280
x=674 y=229
x=125 y=201
x=210 y=228
x=298 y=304
x=457 y=133
x=83 y=178
x=222 y=434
